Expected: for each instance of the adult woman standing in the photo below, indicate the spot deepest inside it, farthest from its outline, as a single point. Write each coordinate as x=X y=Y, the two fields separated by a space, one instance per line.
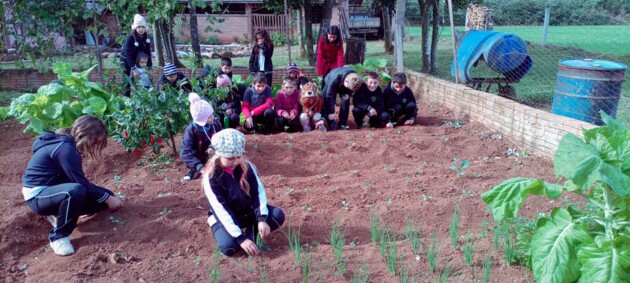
x=54 y=184
x=137 y=41
x=329 y=51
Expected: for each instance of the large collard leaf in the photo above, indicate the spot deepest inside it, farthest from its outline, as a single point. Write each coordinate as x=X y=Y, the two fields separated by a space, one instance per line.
x=94 y=106
x=63 y=70
x=506 y=198
x=605 y=260
x=553 y=248
x=583 y=164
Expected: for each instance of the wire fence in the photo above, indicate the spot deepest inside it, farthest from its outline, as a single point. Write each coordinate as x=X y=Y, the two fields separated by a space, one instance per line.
x=574 y=71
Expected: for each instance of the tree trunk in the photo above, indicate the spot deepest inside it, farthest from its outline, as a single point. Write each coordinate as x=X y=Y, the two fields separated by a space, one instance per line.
x=158 y=45
x=435 y=36
x=169 y=43
x=426 y=60
x=194 y=36
x=389 y=47
x=300 y=28
x=308 y=28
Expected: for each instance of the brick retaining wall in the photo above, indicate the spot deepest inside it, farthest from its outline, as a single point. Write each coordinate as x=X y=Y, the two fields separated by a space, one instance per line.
x=533 y=129
x=27 y=79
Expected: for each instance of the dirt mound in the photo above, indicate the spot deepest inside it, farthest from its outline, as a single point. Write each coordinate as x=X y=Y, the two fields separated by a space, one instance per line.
x=161 y=234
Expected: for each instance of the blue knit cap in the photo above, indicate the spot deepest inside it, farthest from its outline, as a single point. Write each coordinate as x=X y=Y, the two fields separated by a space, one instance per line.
x=170 y=69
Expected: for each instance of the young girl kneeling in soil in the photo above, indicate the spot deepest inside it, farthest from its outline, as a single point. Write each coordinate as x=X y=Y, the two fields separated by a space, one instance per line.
x=195 y=148
x=238 y=201
x=54 y=184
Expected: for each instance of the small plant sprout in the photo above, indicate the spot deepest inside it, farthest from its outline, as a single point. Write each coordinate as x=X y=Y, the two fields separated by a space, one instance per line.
x=367 y=185
x=369 y=135
x=197 y=260
x=337 y=242
x=384 y=140
x=361 y=275
x=160 y=195
x=263 y=271
x=345 y=205
x=455 y=124
x=280 y=177
x=117 y=179
x=454 y=229
x=443 y=277
x=459 y=168
x=121 y=196
x=255 y=146
x=485 y=158
x=497 y=136
x=215 y=274
x=165 y=211
x=391 y=256
x=508 y=245
x=398 y=132
x=387 y=168
x=497 y=237
x=469 y=252
x=288 y=191
x=307 y=207
x=288 y=136
x=289 y=145
x=333 y=188
x=354 y=172
x=487 y=268
x=512 y=152
x=294 y=242
x=413 y=236
x=306 y=267
x=325 y=176
x=389 y=201
x=351 y=144
x=374 y=228
x=434 y=251
x=115 y=220
x=324 y=146
x=444 y=139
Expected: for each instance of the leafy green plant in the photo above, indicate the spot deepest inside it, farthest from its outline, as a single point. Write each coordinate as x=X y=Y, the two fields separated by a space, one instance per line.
x=443 y=276
x=58 y=105
x=294 y=242
x=215 y=273
x=487 y=269
x=306 y=267
x=454 y=228
x=390 y=256
x=590 y=245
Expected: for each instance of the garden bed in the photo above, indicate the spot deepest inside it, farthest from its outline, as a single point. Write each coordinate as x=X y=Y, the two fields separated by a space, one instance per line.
x=398 y=175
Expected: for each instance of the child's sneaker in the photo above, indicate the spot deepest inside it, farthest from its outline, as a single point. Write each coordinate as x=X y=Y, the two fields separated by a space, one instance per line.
x=52 y=219
x=191 y=175
x=62 y=247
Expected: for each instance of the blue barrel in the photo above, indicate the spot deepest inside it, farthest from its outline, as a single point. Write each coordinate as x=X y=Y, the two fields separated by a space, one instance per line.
x=585 y=86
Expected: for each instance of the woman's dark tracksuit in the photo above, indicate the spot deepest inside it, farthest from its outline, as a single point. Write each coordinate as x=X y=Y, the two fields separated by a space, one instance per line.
x=254 y=67
x=261 y=104
x=195 y=143
x=54 y=184
x=232 y=210
x=365 y=100
x=233 y=102
x=399 y=105
x=333 y=86
x=129 y=54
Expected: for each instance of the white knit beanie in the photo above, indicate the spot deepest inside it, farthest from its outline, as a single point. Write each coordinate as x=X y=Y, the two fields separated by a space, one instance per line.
x=228 y=143
x=200 y=109
x=139 y=20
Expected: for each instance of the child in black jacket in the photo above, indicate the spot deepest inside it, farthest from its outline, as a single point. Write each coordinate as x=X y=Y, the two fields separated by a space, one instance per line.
x=54 y=184
x=195 y=149
x=238 y=202
x=399 y=102
x=368 y=103
x=174 y=78
x=230 y=112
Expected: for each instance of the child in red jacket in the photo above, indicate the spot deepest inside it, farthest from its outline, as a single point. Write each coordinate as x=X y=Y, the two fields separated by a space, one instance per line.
x=257 y=105
x=287 y=102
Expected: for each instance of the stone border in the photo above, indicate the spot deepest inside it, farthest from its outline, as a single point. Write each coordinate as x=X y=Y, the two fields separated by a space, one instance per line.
x=533 y=129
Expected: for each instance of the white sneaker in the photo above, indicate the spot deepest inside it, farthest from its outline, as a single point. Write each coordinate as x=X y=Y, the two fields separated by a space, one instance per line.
x=52 y=219
x=62 y=247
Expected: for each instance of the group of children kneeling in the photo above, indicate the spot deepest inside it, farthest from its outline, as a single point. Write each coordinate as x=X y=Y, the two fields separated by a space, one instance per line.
x=373 y=107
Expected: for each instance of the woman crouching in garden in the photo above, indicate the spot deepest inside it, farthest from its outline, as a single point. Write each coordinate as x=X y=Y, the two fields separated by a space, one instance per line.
x=238 y=203
x=54 y=184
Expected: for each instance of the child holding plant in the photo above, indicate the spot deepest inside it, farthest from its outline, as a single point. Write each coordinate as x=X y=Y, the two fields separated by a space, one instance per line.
x=195 y=148
x=55 y=186
x=257 y=105
x=399 y=102
x=238 y=202
x=230 y=105
x=286 y=106
x=368 y=102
